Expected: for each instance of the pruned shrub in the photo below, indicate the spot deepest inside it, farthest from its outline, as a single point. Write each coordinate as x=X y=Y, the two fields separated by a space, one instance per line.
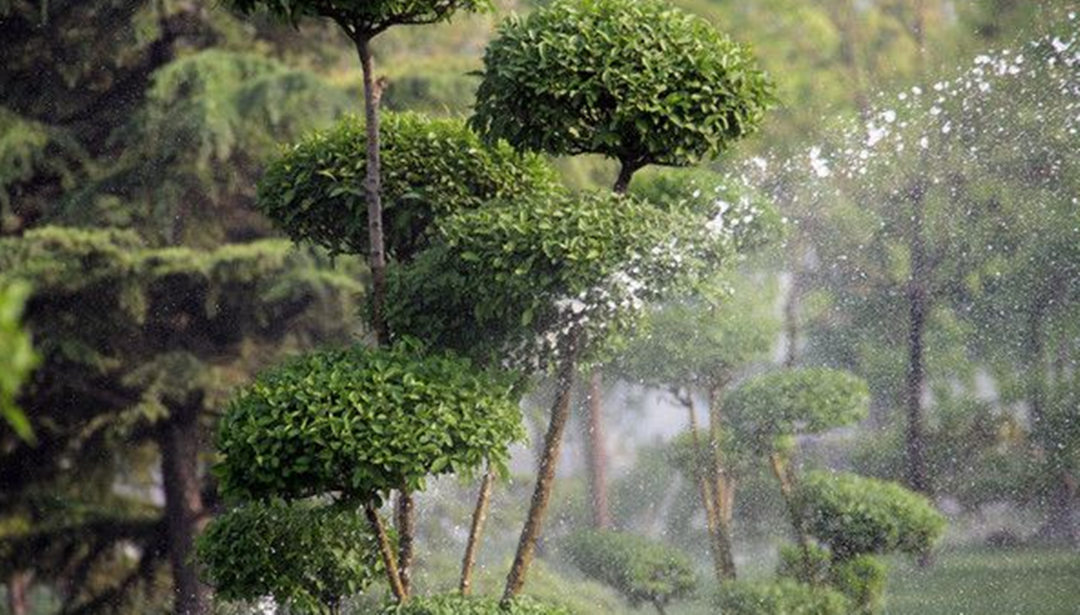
x=642 y=570
x=854 y=515
x=784 y=597
x=305 y=555
x=363 y=421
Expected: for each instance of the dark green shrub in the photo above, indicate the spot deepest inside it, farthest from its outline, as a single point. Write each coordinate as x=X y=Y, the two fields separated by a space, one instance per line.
x=861 y=579
x=784 y=597
x=363 y=421
x=641 y=82
x=793 y=564
x=790 y=401
x=456 y=604
x=306 y=556
x=430 y=167
x=642 y=570
x=854 y=515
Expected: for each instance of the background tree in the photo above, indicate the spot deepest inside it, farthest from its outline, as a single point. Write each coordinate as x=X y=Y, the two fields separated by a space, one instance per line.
x=19 y=357
x=171 y=330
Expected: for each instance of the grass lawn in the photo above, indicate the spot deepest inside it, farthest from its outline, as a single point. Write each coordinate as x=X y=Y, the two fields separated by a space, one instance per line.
x=988 y=582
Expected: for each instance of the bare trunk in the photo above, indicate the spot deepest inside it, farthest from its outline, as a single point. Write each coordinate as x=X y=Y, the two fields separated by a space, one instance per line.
x=18 y=593
x=596 y=454
x=916 y=471
x=787 y=490
x=386 y=552
x=372 y=194
x=475 y=531
x=179 y=444
x=560 y=412
x=720 y=487
x=704 y=487
x=405 y=516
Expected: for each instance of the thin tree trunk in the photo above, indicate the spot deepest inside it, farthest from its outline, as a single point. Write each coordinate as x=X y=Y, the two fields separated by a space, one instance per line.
x=372 y=194
x=720 y=487
x=405 y=518
x=704 y=488
x=476 y=530
x=596 y=453
x=918 y=304
x=18 y=593
x=179 y=444
x=787 y=490
x=393 y=576
x=560 y=412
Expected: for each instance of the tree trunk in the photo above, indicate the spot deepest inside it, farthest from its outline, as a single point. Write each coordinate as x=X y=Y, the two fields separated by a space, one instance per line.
x=787 y=490
x=475 y=531
x=405 y=516
x=560 y=412
x=18 y=593
x=393 y=576
x=596 y=453
x=372 y=194
x=916 y=472
x=704 y=487
x=720 y=488
x=179 y=444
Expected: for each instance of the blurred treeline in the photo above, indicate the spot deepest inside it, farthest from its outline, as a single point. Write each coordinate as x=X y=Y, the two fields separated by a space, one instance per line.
x=132 y=135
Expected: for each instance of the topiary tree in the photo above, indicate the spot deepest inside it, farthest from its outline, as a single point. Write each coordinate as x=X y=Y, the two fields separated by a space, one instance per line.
x=766 y=412
x=548 y=284
x=306 y=556
x=784 y=597
x=639 y=82
x=642 y=570
x=361 y=422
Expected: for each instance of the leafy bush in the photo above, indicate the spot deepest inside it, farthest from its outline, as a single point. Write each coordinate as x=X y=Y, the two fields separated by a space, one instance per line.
x=511 y=269
x=642 y=570
x=793 y=564
x=305 y=556
x=17 y=356
x=456 y=604
x=430 y=167
x=363 y=421
x=854 y=515
x=784 y=597
x=791 y=401
x=641 y=82
x=862 y=579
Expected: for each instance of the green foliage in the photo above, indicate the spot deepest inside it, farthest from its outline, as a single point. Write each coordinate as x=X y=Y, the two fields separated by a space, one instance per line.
x=526 y=274
x=456 y=604
x=642 y=570
x=430 y=168
x=793 y=564
x=641 y=82
x=784 y=597
x=31 y=151
x=364 y=421
x=862 y=579
x=771 y=407
x=17 y=356
x=854 y=515
x=308 y=557
x=362 y=18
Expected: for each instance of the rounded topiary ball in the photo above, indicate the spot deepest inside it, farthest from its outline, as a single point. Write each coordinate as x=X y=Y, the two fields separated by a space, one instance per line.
x=641 y=82
x=363 y=421
x=314 y=190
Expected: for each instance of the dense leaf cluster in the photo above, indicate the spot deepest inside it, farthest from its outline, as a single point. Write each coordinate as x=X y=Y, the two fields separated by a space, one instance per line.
x=854 y=515
x=784 y=597
x=640 y=82
x=364 y=421
x=860 y=578
x=785 y=402
x=430 y=167
x=554 y=265
x=642 y=570
x=456 y=604
x=362 y=18
x=305 y=556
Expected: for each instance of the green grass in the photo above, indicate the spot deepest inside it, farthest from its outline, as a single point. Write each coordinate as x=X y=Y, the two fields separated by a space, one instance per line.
x=988 y=582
